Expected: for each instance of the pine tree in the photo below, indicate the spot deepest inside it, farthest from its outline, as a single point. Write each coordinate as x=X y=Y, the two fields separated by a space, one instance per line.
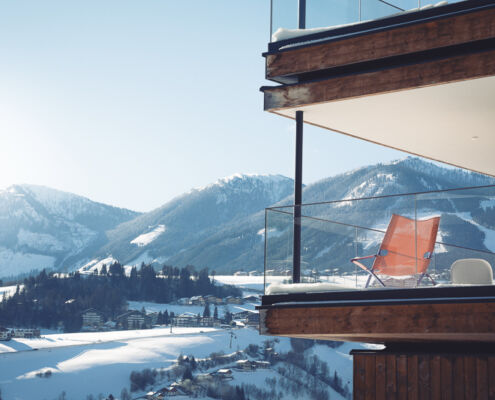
x=215 y=313
x=103 y=270
x=206 y=311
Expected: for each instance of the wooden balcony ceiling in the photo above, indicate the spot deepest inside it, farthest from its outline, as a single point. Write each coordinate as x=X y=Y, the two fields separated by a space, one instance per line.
x=427 y=89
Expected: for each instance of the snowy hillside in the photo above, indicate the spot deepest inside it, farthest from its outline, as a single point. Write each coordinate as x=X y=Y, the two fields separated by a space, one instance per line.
x=171 y=233
x=47 y=228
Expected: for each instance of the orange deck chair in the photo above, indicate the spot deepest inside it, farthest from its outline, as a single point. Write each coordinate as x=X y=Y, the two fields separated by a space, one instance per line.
x=402 y=252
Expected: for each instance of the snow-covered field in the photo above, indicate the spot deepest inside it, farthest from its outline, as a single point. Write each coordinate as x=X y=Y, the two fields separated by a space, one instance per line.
x=101 y=367
x=93 y=363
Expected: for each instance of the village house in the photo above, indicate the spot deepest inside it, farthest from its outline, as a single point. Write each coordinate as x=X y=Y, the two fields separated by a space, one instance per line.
x=245 y=365
x=193 y=320
x=262 y=364
x=133 y=320
x=92 y=318
x=26 y=333
x=5 y=334
x=223 y=373
x=197 y=301
x=233 y=300
x=253 y=319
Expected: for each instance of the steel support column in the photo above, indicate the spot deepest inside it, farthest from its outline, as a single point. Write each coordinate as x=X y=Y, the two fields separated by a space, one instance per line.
x=296 y=255
x=302 y=14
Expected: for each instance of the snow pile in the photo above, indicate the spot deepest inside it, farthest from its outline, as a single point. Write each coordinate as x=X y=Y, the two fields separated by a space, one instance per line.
x=146 y=238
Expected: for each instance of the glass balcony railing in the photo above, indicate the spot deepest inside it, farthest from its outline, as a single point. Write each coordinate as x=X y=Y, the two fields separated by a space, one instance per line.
x=334 y=13
x=334 y=233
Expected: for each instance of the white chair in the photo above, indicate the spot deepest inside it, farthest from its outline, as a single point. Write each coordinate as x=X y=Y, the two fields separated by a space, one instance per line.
x=471 y=271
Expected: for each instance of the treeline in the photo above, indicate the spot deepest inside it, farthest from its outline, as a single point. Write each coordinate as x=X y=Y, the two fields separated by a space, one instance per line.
x=50 y=301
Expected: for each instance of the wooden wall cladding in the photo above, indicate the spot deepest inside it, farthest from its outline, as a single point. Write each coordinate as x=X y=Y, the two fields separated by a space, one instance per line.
x=422 y=376
x=432 y=73
x=420 y=37
x=462 y=322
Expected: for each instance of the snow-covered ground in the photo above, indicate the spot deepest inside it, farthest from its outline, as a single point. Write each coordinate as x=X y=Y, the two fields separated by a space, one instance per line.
x=146 y=238
x=93 y=363
x=7 y=291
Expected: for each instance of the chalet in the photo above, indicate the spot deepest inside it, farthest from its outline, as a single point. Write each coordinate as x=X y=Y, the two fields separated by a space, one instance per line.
x=197 y=301
x=26 y=333
x=233 y=300
x=420 y=80
x=133 y=320
x=223 y=373
x=245 y=365
x=92 y=318
x=253 y=319
x=193 y=320
x=262 y=364
x=213 y=300
x=5 y=333
x=251 y=298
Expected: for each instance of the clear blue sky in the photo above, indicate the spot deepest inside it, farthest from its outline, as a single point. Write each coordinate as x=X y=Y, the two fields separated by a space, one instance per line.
x=134 y=102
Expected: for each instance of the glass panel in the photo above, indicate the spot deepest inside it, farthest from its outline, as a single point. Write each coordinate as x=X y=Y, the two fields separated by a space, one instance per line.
x=278 y=246
x=322 y=13
x=331 y=13
x=413 y=254
x=284 y=14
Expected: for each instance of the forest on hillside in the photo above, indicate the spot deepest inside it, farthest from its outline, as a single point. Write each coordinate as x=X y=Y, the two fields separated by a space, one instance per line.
x=52 y=301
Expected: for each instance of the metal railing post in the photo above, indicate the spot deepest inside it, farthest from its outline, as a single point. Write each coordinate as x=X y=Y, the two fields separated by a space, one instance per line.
x=296 y=249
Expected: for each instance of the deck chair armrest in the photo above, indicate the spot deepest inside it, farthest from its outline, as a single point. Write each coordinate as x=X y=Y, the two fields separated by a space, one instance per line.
x=360 y=265
x=363 y=258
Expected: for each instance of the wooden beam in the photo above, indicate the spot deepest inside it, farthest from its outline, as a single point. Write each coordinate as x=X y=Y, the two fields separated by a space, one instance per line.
x=472 y=322
x=453 y=69
x=444 y=32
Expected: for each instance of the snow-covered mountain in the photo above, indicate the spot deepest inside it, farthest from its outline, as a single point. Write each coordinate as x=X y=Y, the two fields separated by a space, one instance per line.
x=172 y=232
x=46 y=228
x=221 y=226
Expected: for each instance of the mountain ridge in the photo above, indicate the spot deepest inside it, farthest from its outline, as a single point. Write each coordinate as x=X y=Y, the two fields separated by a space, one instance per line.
x=220 y=225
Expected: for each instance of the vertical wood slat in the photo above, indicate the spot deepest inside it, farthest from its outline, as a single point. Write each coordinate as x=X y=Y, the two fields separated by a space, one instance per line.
x=391 y=377
x=380 y=373
x=481 y=378
x=469 y=378
x=402 y=376
x=370 y=378
x=359 y=377
x=458 y=377
x=435 y=383
x=446 y=377
x=424 y=377
x=491 y=377
x=412 y=378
